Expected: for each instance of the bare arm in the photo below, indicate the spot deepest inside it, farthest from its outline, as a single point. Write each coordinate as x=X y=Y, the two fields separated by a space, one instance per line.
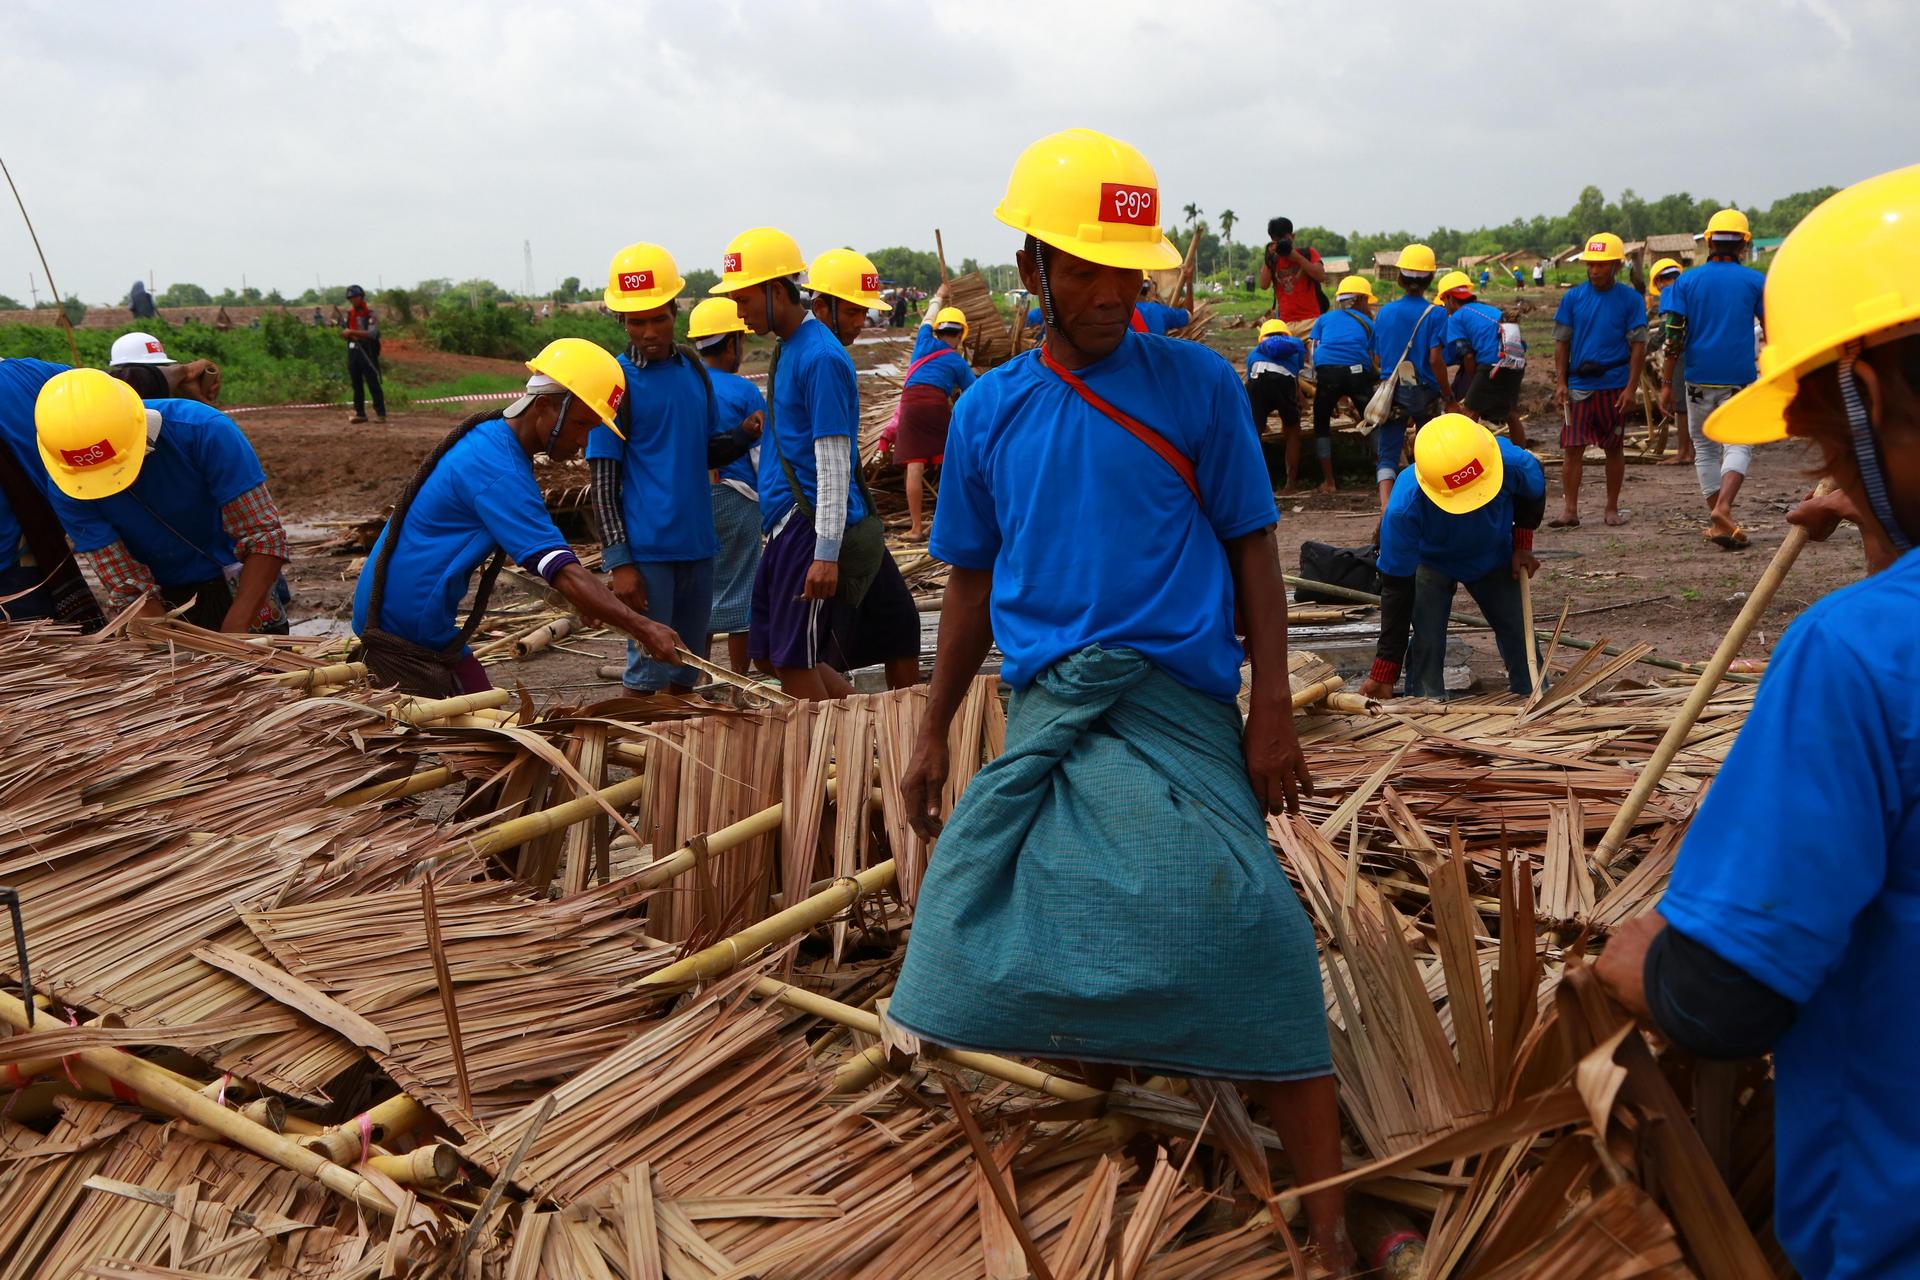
x=1316 y=271
x=1275 y=765
x=1562 y=352
x=1636 y=362
x=1437 y=362
x=966 y=632
x=597 y=604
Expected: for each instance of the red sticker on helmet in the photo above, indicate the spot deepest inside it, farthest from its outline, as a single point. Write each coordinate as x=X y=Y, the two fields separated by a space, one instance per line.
x=1464 y=476
x=153 y=348
x=1596 y=246
x=870 y=283
x=634 y=281
x=1130 y=205
x=91 y=456
x=613 y=397
x=730 y=263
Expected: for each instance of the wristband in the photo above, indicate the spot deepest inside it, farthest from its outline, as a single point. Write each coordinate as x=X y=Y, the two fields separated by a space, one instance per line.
x=1385 y=672
x=1522 y=539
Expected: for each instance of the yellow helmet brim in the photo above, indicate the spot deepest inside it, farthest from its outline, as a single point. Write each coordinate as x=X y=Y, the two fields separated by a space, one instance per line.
x=1098 y=243
x=626 y=304
x=1758 y=413
x=1484 y=489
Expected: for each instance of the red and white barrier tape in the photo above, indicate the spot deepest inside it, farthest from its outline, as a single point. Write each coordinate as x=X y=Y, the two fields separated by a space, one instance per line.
x=476 y=398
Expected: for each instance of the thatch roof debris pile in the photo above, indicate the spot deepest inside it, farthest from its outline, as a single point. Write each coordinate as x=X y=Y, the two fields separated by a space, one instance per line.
x=603 y=996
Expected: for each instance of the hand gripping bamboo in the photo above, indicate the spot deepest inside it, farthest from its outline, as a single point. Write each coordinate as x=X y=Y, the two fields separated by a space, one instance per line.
x=1703 y=688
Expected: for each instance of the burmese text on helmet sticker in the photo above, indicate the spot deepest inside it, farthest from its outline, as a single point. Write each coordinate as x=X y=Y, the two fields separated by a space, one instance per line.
x=1464 y=476
x=1131 y=205
x=91 y=456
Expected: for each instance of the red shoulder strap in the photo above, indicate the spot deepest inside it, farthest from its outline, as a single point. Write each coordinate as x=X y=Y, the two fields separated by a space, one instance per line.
x=1138 y=321
x=931 y=355
x=1181 y=464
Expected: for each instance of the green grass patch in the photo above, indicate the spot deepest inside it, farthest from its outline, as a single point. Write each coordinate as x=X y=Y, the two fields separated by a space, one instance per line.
x=284 y=361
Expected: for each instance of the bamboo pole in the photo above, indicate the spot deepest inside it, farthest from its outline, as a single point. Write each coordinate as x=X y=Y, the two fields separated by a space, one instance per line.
x=422 y=710
x=398 y=788
x=1526 y=615
x=163 y=1091
x=1316 y=691
x=338 y=673
x=987 y=1064
x=434 y=1165
x=663 y=870
x=776 y=928
x=513 y=831
x=396 y=1116
x=1703 y=689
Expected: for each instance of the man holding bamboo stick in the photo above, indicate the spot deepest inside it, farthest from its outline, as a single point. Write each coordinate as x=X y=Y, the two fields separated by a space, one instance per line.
x=1104 y=891
x=1794 y=907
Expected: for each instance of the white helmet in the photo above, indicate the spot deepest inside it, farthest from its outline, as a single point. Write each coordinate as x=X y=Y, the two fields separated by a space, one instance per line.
x=138 y=348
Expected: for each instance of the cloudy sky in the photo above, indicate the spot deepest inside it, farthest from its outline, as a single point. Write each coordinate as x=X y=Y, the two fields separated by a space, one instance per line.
x=399 y=141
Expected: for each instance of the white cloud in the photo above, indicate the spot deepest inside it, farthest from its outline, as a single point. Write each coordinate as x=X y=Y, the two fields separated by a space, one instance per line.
x=397 y=142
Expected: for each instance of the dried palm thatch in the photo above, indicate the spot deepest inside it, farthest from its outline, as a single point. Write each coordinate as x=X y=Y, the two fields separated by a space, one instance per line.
x=192 y=876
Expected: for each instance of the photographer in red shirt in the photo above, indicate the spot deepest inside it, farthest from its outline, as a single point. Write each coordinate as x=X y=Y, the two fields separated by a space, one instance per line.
x=1294 y=274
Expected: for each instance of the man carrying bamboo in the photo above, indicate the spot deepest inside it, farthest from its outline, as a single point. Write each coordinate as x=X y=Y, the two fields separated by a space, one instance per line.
x=1463 y=514
x=1105 y=891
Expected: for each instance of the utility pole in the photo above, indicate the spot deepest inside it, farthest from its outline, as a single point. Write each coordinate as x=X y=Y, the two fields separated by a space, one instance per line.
x=528 y=287
x=34 y=289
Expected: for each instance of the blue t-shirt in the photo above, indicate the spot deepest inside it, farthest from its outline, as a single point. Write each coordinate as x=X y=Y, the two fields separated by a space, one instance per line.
x=169 y=517
x=739 y=400
x=20 y=383
x=1397 y=322
x=814 y=398
x=950 y=373
x=1034 y=317
x=1342 y=337
x=1277 y=353
x=664 y=495
x=1720 y=301
x=1602 y=322
x=1091 y=536
x=1474 y=327
x=1159 y=317
x=482 y=495
x=1802 y=868
x=1415 y=532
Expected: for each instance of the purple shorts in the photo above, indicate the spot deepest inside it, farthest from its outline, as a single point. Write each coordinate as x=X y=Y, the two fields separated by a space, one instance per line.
x=786 y=631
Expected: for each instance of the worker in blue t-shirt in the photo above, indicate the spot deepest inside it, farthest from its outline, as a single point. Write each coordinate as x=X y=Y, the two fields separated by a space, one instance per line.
x=827 y=596
x=1410 y=331
x=651 y=496
x=937 y=373
x=1273 y=386
x=1491 y=355
x=1463 y=514
x=718 y=334
x=473 y=501
x=1106 y=513
x=1789 y=921
x=1711 y=313
x=165 y=501
x=39 y=577
x=1599 y=346
x=1344 y=367
x=1151 y=316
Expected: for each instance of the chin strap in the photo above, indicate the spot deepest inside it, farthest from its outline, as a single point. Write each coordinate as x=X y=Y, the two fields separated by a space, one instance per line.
x=1046 y=286
x=559 y=423
x=1866 y=452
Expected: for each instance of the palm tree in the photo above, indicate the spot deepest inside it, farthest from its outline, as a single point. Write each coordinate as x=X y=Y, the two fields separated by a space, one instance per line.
x=1193 y=215
x=1227 y=219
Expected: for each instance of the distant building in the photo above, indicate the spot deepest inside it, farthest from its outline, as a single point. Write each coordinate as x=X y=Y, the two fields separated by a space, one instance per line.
x=1386 y=265
x=1337 y=267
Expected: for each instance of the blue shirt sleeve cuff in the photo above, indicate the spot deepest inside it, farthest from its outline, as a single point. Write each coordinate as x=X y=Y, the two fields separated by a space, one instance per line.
x=827 y=549
x=615 y=555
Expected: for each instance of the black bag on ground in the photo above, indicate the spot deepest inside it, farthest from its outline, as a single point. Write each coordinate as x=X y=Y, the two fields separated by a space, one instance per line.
x=1349 y=567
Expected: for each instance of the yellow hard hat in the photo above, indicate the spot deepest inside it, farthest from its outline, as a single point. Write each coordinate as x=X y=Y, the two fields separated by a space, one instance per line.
x=752 y=257
x=1663 y=266
x=587 y=370
x=951 y=315
x=1849 y=270
x=1451 y=281
x=849 y=276
x=641 y=278
x=715 y=316
x=1603 y=247
x=1355 y=285
x=92 y=431
x=1092 y=196
x=1271 y=327
x=1458 y=463
x=1418 y=260
x=1729 y=222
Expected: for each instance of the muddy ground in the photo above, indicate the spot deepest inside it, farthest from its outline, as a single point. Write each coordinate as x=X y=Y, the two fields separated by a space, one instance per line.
x=1654 y=579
